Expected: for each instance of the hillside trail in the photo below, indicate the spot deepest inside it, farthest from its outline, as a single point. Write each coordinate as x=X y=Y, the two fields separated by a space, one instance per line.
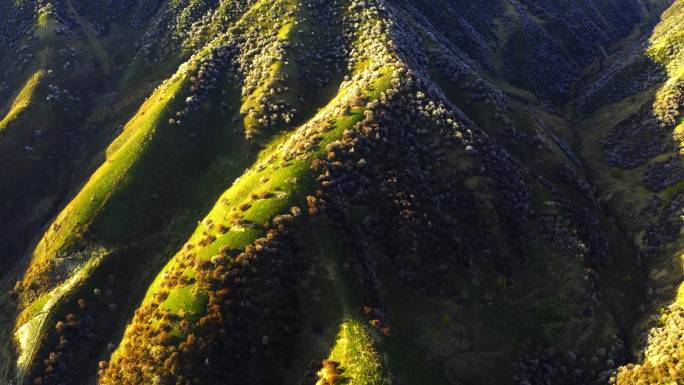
x=90 y=35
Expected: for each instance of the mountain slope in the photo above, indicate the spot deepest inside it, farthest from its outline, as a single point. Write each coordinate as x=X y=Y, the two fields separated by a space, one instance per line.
x=309 y=191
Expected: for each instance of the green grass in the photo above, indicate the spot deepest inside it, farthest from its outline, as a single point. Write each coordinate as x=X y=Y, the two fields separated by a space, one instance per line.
x=121 y=155
x=288 y=181
x=112 y=206
x=23 y=99
x=355 y=351
x=186 y=300
x=113 y=200
x=110 y=202
x=152 y=157
x=285 y=31
x=144 y=252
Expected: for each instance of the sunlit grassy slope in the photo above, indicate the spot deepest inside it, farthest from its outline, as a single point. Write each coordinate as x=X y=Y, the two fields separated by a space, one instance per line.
x=105 y=196
x=285 y=179
x=75 y=219
x=99 y=212
x=23 y=99
x=285 y=183
x=177 y=186
x=279 y=180
x=121 y=155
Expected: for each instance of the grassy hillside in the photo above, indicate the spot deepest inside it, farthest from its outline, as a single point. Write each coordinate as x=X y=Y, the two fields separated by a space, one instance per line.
x=329 y=192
